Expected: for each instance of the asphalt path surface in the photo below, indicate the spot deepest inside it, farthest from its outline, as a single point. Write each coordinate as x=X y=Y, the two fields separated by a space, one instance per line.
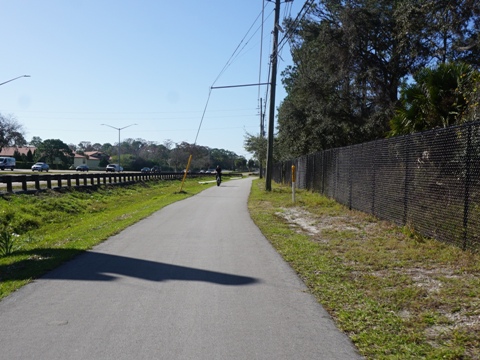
x=196 y=280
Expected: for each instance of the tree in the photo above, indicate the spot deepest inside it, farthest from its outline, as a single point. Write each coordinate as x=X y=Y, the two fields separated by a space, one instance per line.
x=55 y=151
x=178 y=157
x=351 y=58
x=447 y=28
x=240 y=163
x=84 y=146
x=257 y=145
x=439 y=97
x=36 y=140
x=11 y=132
x=342 y=88
x=29 y=156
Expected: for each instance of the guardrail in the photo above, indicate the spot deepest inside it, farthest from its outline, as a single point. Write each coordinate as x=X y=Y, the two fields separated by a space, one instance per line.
x=38 y=182
x=20 y=183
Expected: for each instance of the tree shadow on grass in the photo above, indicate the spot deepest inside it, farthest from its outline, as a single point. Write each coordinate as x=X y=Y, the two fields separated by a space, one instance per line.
x=94 y=266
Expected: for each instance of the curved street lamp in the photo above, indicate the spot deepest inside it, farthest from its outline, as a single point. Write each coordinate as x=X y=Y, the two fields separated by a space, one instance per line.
x=113 y=127
x=18 y=77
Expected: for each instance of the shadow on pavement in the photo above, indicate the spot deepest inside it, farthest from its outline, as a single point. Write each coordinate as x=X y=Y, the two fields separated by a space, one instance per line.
x=93 y=266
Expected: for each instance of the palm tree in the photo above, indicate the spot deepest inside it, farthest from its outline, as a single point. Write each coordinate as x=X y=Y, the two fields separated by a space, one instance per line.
x=439 y=98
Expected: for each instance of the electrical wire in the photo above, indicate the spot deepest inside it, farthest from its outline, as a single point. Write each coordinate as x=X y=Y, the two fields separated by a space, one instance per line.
x=261 y=50
x=236 y=52
x=227 y=65
x=289 y=34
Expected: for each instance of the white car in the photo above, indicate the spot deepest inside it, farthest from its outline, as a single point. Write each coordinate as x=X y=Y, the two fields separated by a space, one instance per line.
x=114 y=168
x=40 y=166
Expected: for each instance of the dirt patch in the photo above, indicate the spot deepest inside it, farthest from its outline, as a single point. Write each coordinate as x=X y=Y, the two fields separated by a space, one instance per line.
x=433 y=279
x=305 y=222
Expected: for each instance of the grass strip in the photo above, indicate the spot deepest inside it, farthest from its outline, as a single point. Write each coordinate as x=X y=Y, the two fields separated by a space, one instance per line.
x=394 y=293
x=51 y=227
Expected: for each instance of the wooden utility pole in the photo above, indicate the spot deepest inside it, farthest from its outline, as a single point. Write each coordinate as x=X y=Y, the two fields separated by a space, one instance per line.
x=273 y=84
x=262 y=135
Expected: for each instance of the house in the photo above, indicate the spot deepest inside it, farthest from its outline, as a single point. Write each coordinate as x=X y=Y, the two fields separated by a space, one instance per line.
x=9 y=151
x=90 y=158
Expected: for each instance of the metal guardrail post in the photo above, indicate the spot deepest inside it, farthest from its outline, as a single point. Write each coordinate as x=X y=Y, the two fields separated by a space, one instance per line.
x=37 y=181
x=9 y=184
x=23 y=180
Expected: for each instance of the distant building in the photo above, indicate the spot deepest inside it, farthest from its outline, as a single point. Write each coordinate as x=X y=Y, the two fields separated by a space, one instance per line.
x=90 y=158
x=22 y=150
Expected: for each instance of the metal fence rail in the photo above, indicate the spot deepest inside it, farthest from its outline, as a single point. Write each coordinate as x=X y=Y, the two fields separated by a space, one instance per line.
x=428 y=180
x=37 y=182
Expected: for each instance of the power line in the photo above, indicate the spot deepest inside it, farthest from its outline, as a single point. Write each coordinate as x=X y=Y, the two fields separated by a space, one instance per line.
x=288 y=35
x=236 y=51
x=229 y=62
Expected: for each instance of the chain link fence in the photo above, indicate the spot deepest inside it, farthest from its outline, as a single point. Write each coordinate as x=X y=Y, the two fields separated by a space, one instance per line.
x=429 y=181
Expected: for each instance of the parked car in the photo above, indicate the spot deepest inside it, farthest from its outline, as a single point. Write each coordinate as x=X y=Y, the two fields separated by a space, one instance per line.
x=145 y=170
x=82 y=168
x=113 y=168
x=7 y=163
x=40 y=166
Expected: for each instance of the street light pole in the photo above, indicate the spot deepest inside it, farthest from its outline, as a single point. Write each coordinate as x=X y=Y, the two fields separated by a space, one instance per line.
x=113 y=127
x=18 y=77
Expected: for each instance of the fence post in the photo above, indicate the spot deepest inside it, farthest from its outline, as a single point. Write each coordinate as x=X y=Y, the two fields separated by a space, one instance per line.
x=467 y=187
x=336 y=173
x=23 y=179
x=9 y=184
x=293 y=183
x=374 y=177
x=407 y=173
x=324 y=170
x=350 y=178
x=37 y=181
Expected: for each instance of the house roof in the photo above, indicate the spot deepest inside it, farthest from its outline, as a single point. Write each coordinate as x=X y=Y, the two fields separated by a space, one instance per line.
x=10 y=150
x=95 y=154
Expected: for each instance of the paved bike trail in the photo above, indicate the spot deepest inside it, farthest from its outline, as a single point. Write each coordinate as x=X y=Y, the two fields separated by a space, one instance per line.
x=196 y=280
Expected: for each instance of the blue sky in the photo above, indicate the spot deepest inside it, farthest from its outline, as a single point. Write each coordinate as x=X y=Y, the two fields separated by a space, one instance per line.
x=149 y=62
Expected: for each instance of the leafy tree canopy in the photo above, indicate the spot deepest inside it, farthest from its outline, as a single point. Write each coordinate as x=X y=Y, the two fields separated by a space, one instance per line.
x=11 y=132
x=36 y=141
x=439 y=97
x=350 y=59
x=54 y=151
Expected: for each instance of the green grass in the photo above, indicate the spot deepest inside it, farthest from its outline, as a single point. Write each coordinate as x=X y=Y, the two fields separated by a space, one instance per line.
x=394 y=293
x=49 y=228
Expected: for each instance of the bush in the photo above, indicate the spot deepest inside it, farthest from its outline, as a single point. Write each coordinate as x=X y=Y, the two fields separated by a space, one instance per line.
x=6 y=241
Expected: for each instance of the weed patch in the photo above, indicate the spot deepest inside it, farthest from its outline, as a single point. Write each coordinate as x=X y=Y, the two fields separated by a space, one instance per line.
x=6 y=241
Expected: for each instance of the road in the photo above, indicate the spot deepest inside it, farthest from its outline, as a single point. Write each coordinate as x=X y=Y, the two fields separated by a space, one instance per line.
x=196 y=280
